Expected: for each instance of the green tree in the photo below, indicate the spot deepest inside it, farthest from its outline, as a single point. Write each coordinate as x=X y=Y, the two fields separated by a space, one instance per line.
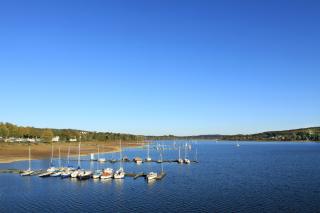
x=4 y=131
x=47 y=135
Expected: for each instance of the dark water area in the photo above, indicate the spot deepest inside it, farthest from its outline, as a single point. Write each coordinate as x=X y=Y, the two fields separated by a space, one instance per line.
x=255 y=177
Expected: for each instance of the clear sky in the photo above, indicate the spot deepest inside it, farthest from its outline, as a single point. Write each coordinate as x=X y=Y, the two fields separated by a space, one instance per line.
x=161 y=67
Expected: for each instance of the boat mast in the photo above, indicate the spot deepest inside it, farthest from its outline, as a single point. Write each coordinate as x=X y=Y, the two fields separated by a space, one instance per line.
x=148 y=151
x=179 y=153
x=29 y=158
x=98 y=153
x=161 y=162
x=120 y=155
x=51 y=162
x=185 y=151
x=69 y=155
x=59 y=158
x=196 y=153
x=79 y=153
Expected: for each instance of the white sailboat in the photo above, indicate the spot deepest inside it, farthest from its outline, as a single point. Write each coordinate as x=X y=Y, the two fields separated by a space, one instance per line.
x=160 y=159
x=78 y=171
x=119 y=174
x=58 y=172
x=152 y=176
x=186 y=160
x=180 y=161
x=97 y=174
x=148 y=159
x=28 y=172
x=69 y=170
x=107 y=174
x=51 y=168
x=100 y=160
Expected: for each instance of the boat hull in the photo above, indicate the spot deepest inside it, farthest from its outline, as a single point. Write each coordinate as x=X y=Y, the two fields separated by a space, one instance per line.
x=84 y=177
x=44 y=175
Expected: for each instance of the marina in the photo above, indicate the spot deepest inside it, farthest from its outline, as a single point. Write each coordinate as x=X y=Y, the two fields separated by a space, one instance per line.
x=65 y=170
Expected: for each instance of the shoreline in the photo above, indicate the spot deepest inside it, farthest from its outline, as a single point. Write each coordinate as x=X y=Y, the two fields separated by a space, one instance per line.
x=10 y=153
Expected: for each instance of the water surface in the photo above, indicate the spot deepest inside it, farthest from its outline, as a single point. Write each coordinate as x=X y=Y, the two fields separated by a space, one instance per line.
x=255 y=177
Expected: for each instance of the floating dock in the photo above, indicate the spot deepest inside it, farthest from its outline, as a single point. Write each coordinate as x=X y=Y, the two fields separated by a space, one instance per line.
x=132 y=161
x=37 y=172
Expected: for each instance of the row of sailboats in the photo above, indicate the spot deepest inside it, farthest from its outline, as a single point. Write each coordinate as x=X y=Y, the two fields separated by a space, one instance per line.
x=81 y=174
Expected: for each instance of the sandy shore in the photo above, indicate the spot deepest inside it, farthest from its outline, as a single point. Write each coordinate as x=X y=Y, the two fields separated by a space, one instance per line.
x=10 y=152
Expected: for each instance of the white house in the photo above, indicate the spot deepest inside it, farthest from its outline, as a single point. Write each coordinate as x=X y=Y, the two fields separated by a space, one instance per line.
x=31 y=140
x=56 y=139
x=73 y=139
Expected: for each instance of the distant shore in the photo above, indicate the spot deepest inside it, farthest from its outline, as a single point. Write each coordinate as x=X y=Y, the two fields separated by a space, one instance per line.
x=12 y=152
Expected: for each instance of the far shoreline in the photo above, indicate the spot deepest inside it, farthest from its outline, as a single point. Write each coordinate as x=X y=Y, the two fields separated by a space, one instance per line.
x=10 y=153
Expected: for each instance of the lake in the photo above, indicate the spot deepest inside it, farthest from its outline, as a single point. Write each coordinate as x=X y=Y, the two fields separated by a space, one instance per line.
x=255 y=177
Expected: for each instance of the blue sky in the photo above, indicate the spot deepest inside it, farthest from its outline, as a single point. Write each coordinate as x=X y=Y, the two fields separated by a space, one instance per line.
x=161 y=67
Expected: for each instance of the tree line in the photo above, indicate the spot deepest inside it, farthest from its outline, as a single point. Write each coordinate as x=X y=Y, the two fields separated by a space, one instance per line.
x=8 y=130
x=305 y=134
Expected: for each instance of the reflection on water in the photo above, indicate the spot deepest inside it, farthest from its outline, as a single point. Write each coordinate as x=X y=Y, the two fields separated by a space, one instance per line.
x=254 y=177
x=151 y=183
x=119 y=183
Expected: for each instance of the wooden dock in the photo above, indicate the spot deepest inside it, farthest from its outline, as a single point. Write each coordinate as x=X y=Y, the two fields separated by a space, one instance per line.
x=132 y=161
x=37 y=172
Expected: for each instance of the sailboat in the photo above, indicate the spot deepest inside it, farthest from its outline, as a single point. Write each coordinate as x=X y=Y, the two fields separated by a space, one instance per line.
x=58 y=172
x=160 y=159
x=28 y=172
x=97 y=174
x=151 y=176
x=100 y=160
x=84 y=175
x=51 y=168
x=180 y=159
x=119 y=174
x=148 y=159
x=186 y=160
x=238 y=145
x=77 y=172
x=68 y=171
x=196 y=158
x=107 y=174
x=112 y=158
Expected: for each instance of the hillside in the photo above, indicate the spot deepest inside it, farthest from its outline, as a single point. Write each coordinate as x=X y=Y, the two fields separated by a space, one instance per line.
x=303 y=134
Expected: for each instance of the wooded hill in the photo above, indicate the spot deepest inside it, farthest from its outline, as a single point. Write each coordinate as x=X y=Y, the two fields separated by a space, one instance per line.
x=46 y=134
x=304 y=134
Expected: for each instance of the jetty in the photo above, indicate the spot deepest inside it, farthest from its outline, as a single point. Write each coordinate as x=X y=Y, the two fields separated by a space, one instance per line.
x=133 y=161
x=37 y=172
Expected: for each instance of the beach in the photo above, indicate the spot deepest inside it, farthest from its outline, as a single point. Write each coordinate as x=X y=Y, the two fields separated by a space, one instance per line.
x=11 y=152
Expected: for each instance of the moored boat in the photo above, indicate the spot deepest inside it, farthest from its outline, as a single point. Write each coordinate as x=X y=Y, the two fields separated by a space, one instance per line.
x=107 y=173
x=180 y=161
x=75 y=174
x=137 y=160
x=102 y=160
x=119 y=174
x=66 y=174
x=97 y=174
x=148 y=159
x=84 y=175
x=151 y=176
x=56 y=174
x=45 y=174
x=28 y=172
x=186 y=161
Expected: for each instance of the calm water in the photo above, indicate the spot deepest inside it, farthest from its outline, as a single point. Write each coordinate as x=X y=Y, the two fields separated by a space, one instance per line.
x=255 y=177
